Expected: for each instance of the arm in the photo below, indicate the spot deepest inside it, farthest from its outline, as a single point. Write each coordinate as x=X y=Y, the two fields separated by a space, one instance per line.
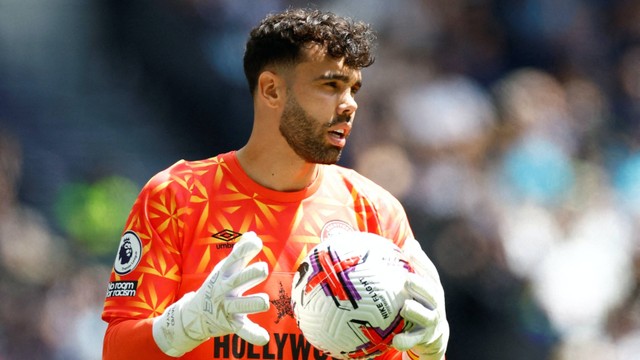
x=147 y=265
x=145 y=307
x=428 y=338
x=381 y=213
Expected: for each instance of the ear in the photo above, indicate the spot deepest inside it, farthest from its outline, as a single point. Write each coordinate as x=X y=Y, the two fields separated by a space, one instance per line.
x=271 y=89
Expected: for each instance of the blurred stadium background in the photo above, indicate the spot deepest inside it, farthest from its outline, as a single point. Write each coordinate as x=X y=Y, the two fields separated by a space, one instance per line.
x=509 y=129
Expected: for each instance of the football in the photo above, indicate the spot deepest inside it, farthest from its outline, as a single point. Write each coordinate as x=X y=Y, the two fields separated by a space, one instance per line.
x=347 y=294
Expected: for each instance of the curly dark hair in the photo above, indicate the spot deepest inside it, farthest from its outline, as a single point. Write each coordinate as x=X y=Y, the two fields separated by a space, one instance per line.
x=280 y=37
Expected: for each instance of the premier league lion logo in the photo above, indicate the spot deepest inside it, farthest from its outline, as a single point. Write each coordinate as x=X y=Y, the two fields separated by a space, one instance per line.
x=124 y=255
x=129 y=253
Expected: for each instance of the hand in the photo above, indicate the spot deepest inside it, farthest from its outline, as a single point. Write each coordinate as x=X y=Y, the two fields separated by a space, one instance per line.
x=428 y=338
x=218 y=307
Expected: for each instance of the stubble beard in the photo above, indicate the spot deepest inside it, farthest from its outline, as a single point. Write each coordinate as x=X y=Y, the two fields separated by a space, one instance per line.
x=306 y=135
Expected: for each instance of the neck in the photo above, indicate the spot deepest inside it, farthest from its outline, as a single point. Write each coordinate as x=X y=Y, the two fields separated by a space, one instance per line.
x=276 y=170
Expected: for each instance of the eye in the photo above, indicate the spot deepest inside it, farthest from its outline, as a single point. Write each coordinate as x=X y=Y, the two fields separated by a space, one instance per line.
x=332 y=84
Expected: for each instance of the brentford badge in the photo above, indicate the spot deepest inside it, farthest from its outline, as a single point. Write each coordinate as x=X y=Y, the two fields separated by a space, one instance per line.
x=333 y=228
x=129 y=253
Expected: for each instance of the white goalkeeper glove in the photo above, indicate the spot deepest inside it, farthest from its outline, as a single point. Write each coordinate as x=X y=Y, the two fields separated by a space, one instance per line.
x=218 y=307
x=428 y=338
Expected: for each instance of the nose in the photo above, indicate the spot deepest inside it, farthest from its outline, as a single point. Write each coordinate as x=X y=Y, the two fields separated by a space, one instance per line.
x=348 y=105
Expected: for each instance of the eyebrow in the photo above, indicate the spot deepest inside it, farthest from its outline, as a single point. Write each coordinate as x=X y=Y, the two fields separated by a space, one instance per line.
x=340 y=77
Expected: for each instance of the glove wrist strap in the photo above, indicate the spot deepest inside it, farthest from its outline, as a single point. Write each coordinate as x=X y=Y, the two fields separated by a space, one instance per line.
x=169 y=333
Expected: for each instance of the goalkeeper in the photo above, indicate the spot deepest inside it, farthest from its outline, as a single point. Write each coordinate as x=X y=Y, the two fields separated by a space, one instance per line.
x=209 y=250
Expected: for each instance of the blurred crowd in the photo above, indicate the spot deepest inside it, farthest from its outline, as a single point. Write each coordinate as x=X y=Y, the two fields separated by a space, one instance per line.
x=509 y=129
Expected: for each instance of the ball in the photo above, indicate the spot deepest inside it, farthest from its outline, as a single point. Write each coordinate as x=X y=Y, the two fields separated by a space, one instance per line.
x=347 y=294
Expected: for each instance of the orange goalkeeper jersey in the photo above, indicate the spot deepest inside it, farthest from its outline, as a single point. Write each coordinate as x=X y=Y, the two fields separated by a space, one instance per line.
x=188 y=217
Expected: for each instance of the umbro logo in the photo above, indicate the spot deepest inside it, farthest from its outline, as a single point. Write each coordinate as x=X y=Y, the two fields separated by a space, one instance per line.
x=226 y=235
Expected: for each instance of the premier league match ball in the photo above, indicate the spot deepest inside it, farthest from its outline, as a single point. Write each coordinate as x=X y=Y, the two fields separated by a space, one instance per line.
x=347 y=295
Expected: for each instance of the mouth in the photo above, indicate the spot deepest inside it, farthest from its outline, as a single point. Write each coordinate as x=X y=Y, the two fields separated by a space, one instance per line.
x=340 y=133
x=338 y=137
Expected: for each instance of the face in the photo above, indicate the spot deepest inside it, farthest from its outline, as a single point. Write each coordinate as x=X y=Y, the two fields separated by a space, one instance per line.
x=320 y=108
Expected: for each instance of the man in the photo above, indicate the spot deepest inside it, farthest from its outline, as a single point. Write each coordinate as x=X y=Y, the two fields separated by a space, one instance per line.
x=214 y=243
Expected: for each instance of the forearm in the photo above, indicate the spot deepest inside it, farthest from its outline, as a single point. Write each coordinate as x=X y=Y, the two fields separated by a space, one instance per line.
x=127 y=339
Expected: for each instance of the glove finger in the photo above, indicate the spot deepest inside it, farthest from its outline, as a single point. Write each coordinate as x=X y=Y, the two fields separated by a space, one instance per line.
x=407 y=340
x=424 y=321
x=247 y=304
x=248 y=277
x=243 y=251
x=253 y=333
x=422 y=290
x=418 y=314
